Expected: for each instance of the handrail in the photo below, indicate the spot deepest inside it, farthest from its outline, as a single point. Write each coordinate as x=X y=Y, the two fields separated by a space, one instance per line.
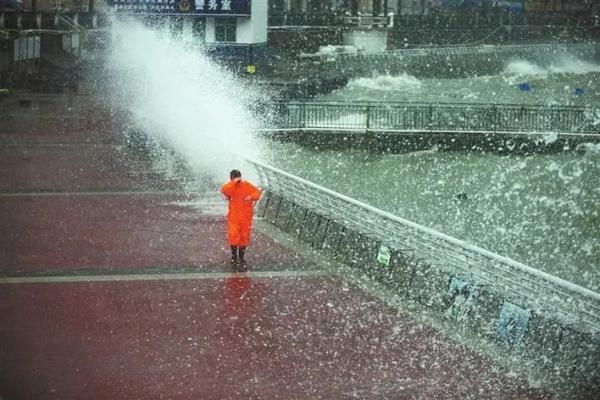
x=455 y=19
x=532 y=288
x=462 y=49
x=70 y=22
x=424 y=103
x=65 y=17
x=439 y=117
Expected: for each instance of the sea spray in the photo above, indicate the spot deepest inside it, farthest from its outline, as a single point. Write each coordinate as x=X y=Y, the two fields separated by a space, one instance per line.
x=562 y=65
x=176 y=95
x=401 y=82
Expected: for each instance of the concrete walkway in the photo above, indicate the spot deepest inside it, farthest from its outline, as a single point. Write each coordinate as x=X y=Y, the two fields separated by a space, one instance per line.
x=112 y=288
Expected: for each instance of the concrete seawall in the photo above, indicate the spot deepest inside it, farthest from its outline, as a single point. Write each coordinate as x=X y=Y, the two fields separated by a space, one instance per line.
x=400 y=142
x=563 y=357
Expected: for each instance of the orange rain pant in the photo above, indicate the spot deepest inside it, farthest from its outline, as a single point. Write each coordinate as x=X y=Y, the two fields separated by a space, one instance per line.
x=238 y=233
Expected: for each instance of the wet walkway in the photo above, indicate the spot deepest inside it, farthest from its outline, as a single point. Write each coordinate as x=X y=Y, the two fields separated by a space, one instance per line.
x=112 y=288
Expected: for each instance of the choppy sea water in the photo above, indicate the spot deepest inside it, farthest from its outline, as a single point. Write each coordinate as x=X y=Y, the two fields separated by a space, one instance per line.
x=567 y=81
x=542 y=210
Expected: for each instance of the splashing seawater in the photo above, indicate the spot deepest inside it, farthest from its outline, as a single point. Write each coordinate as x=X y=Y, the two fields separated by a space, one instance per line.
x=387 y=82
x=564 y=81
x=540 y=209
x=174 y=93
x=563 y=65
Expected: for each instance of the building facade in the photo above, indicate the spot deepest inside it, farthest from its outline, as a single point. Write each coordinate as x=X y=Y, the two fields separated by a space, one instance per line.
x=235 y=31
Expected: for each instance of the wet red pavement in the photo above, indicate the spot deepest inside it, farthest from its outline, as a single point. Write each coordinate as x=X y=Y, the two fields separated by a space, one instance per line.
x=257 y=338
x=156 y=313
x=119 y=232
x=70 y=167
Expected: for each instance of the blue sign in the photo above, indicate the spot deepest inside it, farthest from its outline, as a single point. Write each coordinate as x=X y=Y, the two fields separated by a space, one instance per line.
x=461 y=296
x=197 y=7
x=511 y=324
x=525 y=87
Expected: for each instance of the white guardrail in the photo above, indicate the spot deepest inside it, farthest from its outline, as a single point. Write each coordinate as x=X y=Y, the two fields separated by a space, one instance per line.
x=531 y=288
x=464 y=50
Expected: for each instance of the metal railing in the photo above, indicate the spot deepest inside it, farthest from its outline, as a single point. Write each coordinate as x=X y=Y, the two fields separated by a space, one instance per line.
x=426 y=117
x=71 y=23
x=368 y=20
x=52 y=21
x=439 y=20
x=529 y=287
x=491 y=19
x=513 y=49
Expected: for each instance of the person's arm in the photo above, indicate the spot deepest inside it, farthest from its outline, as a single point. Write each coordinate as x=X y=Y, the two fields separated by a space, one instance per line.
x=226 y=190
x=253 y=194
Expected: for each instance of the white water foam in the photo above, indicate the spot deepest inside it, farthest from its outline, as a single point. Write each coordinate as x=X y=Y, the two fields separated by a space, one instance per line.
x=348 y=121
x=590 y=148
x=174 y=93
x=563 y=65
x=522 y=67
x=387 y=82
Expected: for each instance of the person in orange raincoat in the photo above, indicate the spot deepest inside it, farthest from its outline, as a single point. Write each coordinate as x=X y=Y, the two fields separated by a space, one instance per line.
x=241 y=195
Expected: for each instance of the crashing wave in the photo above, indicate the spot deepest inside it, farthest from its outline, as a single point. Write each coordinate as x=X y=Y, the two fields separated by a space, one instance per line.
x=387 y=83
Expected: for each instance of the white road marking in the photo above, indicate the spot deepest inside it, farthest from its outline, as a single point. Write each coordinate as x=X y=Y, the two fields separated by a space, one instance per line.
x=212 y=203
x=162 y=277
x=91 y=193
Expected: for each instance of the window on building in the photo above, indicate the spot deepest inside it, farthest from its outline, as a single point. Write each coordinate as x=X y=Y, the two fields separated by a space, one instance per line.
x=225 y=29
x=199 y=29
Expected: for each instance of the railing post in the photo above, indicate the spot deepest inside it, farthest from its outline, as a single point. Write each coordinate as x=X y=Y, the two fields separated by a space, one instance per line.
x=303 y=109
x=430 y=123
x=552 y=119
x=369 y=109
x=282 y=114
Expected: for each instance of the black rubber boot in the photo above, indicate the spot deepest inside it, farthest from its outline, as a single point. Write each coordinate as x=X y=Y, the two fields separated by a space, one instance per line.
x=234 y=254
x=242 y=252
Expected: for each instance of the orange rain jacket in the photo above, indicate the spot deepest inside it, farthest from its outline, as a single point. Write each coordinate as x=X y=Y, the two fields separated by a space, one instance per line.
x=239 y=215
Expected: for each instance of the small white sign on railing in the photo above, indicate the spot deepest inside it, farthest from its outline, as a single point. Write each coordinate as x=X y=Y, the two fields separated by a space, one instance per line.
x=384 y=256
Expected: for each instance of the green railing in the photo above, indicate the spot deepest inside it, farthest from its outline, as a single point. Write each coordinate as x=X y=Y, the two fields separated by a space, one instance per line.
x=447 y=118
x=454 y=19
